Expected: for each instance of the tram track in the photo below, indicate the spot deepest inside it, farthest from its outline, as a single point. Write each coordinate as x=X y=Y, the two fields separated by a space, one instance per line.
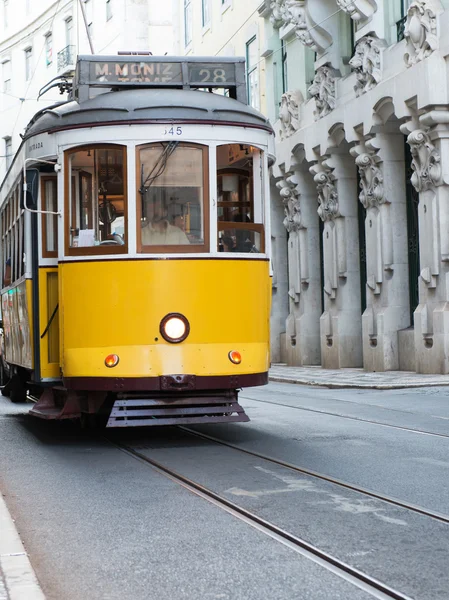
x=361 y=580
x=350 y=418
x=328 y=479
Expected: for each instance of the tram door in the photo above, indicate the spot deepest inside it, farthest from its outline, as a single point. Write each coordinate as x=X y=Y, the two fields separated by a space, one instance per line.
x=412 y=202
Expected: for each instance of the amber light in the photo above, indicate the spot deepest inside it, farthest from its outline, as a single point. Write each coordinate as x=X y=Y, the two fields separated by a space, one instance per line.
x=235 y=357
x=111 y=360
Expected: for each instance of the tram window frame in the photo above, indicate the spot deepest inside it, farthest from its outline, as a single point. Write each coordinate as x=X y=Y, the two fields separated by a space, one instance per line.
x=237 y=168
x=12 y=237
x=48 y=218
x=70 y=192
x=178 y=248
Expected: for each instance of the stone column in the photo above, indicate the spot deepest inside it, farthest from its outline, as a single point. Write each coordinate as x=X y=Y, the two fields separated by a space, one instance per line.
x=380 y=161
x=430 y=152
x=341 y=322
x=301 y=223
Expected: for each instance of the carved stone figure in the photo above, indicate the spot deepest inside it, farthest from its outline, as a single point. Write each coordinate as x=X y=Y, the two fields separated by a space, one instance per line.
x=426 y=162
x=371 y=180
x=295 y=12
x=366 y=63
x=359 y=10
x=421 y=31
x=328 y=209
x=289 y=113
x=292 y=208
x=278 y=15
x=323 y=91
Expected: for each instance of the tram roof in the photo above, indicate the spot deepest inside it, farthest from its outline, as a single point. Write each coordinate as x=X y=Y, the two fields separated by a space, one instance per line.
x=130 y=106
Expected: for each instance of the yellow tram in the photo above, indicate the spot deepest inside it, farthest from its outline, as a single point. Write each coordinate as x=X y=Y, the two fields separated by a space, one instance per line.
x=135 y=246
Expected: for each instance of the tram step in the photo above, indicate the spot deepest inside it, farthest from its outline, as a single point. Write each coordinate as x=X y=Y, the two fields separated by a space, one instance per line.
x=134 y=413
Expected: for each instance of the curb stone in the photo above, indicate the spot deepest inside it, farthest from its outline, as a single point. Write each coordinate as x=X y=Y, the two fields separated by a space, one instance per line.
x=20 y=581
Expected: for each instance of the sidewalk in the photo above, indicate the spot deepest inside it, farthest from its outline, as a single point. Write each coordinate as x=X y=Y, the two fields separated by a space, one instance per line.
x=354 y=378
x=17 y=578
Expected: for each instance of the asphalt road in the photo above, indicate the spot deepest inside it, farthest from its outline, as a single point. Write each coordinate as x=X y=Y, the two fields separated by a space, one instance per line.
x=101 y=524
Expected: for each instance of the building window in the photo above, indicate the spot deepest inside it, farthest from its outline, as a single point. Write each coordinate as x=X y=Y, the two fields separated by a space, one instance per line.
x=8 y=151
x=252 y=73
x=5 y=12
x=187 y=22
x=108 y=10
x=284 y=67
x=68 y=31
x=205 y=12
x=28 y=65
x=6 y=70
x=48 y=49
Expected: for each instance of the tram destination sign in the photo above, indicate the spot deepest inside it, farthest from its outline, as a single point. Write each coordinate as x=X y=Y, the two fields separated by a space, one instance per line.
x=142 y=72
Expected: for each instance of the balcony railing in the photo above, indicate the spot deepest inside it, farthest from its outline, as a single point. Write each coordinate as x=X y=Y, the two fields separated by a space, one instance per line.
x=66 y=58
x=400 y=28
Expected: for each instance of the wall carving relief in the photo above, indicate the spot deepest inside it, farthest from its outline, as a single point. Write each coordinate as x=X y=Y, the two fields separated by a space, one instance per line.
x=366 y=63
x=421 y=31
x=328 y=208
x=323 y=91
x=426 y=163
x=294 y=12
x=359 y=10
x=289 y=113
x=288 y=190
x=372 y=193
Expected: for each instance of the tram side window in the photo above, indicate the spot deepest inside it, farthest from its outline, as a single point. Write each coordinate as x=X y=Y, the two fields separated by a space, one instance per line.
x=97 y=207
x=50 y=221
x=240 y=207
x=12 y=239
x=172 y=198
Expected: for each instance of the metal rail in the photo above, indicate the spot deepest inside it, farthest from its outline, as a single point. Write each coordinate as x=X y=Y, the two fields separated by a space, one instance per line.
x=354 y=488
x=359 y=579
x=334 y=414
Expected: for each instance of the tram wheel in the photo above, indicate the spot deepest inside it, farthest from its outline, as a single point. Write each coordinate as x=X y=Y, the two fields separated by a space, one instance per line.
x=18 y=391
x=4 y=380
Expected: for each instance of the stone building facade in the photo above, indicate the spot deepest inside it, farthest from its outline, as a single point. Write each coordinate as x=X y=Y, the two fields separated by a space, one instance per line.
x=362 y=172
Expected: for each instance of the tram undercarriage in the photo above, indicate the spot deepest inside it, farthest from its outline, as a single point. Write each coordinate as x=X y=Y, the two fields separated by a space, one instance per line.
x=137 y=409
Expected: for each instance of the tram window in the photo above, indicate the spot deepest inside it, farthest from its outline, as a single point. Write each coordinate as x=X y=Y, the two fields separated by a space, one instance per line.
x=49 y=222
x=12 y=239
x=97 y=200
x=239 y=207
x=172 y=188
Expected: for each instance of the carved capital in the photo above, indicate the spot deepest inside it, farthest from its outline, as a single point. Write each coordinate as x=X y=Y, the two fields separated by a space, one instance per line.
x=278 y=15
x=323 y=91
x=421 y=31
x=366 y=63
x=325 y=180
x=288 y=189
x=372 y=193
x=359 y=10
x=426 y=162
x=289 y=113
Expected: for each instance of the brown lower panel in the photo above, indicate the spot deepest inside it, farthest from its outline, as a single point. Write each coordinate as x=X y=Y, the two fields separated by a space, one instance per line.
x=149 y=384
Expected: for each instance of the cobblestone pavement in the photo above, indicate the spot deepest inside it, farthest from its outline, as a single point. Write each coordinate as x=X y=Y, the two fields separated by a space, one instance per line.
x=354 y=378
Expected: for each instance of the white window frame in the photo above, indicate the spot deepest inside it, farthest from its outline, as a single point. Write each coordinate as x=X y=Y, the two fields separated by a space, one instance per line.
x=250 y=70
x=49 y=48
x=188 y=22
x=8 y=155
x=6 y=75
x=28 y=63
x=205 y=13
x=108 y=10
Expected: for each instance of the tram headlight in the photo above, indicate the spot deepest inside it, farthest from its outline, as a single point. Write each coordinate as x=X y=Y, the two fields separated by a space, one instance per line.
x=174 y=328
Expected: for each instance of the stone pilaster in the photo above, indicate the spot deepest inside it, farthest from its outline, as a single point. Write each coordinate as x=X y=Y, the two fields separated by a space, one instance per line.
x=301 y=222
x=430 y=152
x=380 y=161
x=340 y=323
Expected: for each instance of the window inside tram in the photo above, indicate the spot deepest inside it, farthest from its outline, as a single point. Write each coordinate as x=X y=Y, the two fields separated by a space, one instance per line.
x=172 y=187
x=97 y=199
x=12 y=239
x=240 y=214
